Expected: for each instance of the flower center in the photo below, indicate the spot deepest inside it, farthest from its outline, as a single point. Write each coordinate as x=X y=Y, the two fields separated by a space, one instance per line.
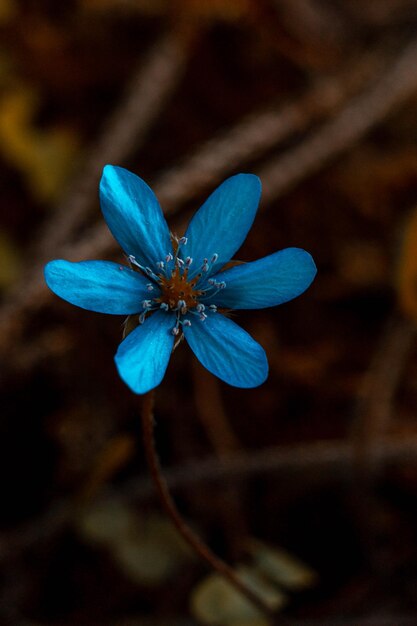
x=177 y=288
x=178 y=291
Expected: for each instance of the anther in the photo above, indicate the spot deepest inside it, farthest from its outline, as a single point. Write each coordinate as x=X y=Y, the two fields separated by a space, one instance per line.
x=168 y=258
x=202 y=317
x=149 y=287
x=186 y=323
x=175 y=331
x=182 y=241
x=188 y=261
x=200 y=307
x=146 y=304
x=142 y=317
x=160 y=265
x=180 y=262
x=213 y=307
x=214 y=257
x=164 y=306
x=132 y=259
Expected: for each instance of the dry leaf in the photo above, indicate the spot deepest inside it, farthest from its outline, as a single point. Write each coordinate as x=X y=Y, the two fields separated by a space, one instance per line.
x=281 y=567
x=216 y=602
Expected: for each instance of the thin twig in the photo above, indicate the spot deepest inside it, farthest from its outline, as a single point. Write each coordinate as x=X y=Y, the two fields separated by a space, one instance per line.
x=259 y=132
x=375 y=403
x=333 y=458
x=197 y=545
x=362 y=114
x=149 y=90
x=374 y=412
x=211 y=412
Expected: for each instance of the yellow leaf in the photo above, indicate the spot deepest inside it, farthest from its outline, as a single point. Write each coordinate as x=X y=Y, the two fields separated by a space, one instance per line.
x=45 y=157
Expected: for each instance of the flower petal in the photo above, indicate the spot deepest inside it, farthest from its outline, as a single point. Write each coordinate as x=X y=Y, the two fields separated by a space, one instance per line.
x=142 y=358
x=100 y=286
x=227 y=350
x=272 y=280
x=133 y=215
x=221 y=224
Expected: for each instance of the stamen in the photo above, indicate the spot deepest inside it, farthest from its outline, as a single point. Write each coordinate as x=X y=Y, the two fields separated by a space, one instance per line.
x=164 y=306
x=200 y=307
x=175 y=331
x=188 y=261
x=214 y=285
x=182 y=241
x=149 y=287
x=213 y=308
x=149 y=272
x=142 y=317
x=146 y=304
x=186 y=323
x=169 y=258
x=214 y=257
x=160 y=265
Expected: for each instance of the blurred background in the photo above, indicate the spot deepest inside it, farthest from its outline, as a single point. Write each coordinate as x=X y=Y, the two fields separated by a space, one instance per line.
x=308 y=484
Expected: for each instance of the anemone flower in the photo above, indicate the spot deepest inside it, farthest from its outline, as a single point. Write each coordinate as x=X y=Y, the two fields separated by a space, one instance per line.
x=182 y=286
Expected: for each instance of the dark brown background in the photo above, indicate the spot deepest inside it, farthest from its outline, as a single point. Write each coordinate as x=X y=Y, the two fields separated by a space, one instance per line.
x=317 y=97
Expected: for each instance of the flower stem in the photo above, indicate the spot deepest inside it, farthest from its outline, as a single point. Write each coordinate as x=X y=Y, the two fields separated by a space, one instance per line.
x=198 y=546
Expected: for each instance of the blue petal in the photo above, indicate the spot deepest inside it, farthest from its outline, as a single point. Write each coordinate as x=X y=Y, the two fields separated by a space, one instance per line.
x=142 y=358
x=100 y=286
x=221 y=224
x=227 y=350
x=134 y=216
x=272 y=280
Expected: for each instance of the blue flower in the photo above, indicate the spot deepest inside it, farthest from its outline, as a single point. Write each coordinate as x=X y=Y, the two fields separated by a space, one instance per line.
x=180 y=286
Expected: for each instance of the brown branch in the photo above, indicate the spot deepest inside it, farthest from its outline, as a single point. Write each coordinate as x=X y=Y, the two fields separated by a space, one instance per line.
x=363 y=113
x=211 y=412
x=258 y=133
x=330 y=457
x=375 y=403
x=374 y=412
x=333 y=458
x=148 y=92
x=150 y=88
